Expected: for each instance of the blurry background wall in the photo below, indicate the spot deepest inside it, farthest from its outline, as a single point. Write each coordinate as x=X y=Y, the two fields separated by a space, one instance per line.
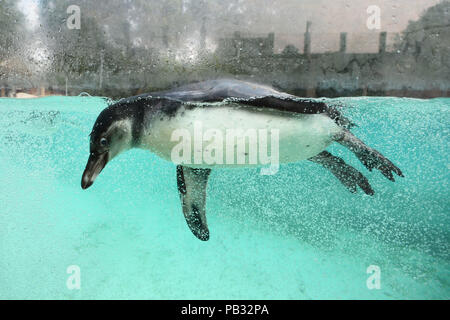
x=307 y=47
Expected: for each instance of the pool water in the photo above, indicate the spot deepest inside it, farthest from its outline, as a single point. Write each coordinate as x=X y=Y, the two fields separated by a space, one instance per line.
x=296 y=235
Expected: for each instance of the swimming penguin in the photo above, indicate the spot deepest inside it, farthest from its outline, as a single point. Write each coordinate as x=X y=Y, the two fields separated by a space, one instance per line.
x=305 y=128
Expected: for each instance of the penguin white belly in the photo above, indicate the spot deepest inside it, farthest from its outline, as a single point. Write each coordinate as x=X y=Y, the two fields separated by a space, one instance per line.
x=239 y=136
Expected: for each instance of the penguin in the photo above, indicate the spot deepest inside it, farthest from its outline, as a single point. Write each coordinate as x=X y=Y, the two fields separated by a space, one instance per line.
x=304 y=128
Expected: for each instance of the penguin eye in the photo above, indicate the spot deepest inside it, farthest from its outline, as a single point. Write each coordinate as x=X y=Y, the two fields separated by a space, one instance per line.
x=103 y=142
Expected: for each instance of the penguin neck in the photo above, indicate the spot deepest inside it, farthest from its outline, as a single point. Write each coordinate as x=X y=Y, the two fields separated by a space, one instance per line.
x=137 y=129
x=142 y=128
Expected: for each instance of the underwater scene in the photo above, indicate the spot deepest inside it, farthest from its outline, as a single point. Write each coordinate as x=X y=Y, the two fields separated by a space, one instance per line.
x=297 y=234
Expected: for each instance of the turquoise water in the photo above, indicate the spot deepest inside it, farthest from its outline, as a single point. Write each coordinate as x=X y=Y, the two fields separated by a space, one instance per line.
x=295 y=235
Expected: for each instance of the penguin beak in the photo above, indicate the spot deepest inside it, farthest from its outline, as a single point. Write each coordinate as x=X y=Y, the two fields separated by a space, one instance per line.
x=95 y=165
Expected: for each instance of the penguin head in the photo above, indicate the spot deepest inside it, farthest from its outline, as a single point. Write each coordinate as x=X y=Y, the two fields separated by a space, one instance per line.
x=111 y=135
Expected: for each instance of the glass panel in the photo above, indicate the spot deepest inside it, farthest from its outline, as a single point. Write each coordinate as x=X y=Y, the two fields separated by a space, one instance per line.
x=119 y=48
x=331 y=186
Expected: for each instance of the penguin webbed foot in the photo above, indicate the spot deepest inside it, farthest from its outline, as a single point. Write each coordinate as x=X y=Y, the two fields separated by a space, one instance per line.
x=346 y=174
x=370 y=158
x=352 y=178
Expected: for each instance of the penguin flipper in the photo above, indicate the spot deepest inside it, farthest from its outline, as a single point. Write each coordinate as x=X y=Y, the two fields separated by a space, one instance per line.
x=192 y=185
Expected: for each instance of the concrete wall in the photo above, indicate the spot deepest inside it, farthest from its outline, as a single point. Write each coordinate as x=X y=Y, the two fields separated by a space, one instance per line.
x=420 y=70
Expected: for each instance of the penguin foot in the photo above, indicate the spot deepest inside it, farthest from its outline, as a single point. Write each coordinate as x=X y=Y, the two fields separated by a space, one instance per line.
x=371 y=158
x=347 y=175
